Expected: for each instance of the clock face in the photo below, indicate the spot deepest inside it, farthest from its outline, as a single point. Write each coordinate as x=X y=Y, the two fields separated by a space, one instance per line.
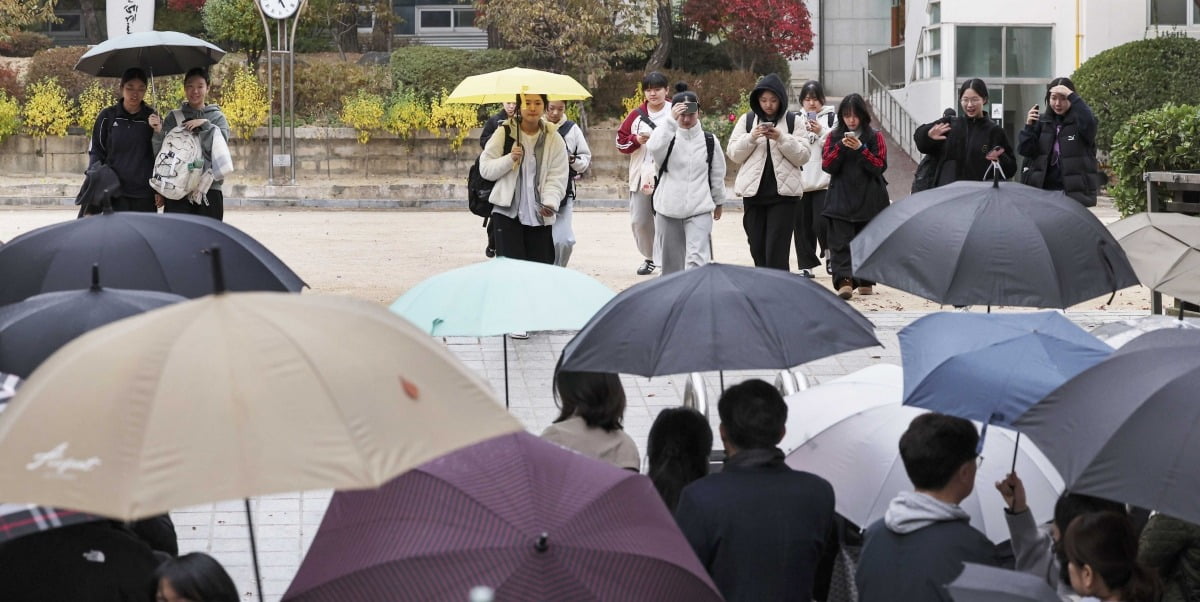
x=279 y=9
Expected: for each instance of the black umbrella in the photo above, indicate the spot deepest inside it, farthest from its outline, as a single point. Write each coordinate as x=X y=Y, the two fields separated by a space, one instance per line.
x=141 y=251
x=717 y=317
x=33 y=329
x=998 y=243
x=1125 y=429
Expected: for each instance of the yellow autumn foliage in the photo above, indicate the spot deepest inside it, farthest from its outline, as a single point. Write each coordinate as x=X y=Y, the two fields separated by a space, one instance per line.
x=47 y=111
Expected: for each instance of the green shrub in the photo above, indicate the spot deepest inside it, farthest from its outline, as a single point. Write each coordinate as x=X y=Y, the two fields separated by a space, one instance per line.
x=451 y=120
x=244 y=102
x=10 y=115
x=166 y=94
x=94 y=99
x=59 y=63
x=1162 y=139
x=721 y=123
x=1133 y=77
x=320 y=85
x=10 y=82
x=427 y=69
x=183 y=21
x=695 y=56
x=364 y=112
x=406 y=115
x=25 y=43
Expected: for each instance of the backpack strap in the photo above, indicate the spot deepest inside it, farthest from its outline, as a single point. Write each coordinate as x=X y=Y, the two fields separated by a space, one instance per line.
x=178 y=114
x=646 y=117
x=749 y=121
x=830 y=117
x=508 y=141
x=791 y=121
x=565 y=128
x=710 y=143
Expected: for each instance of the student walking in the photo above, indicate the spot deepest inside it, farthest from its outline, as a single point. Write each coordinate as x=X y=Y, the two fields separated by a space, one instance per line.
x=632 y=136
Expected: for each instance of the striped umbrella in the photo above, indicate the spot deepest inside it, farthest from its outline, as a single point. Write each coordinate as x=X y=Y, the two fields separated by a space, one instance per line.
x=526 y=518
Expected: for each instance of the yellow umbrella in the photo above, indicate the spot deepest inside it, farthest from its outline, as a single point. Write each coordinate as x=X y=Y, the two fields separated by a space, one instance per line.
x=503 y=86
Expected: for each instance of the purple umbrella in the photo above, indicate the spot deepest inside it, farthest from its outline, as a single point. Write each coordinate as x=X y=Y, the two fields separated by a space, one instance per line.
x=527 y=518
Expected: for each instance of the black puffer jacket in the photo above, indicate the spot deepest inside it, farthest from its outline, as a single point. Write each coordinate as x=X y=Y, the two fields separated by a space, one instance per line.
x=1077 y=173
x=857 y=190
x=961 y=156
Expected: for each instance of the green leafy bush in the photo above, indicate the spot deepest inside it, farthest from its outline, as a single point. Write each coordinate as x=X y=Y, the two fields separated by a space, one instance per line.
x=59 y=63
x=696 y=56
x=1133 y=77
x=427 y=69
x=244 y=102
x=10 y=82
x=94 y=99
x=364 y=112
x=321 y=85
x=1163 y=139
x=25 y=43
x=183 y=21
x=721 y=123
x=10 y=116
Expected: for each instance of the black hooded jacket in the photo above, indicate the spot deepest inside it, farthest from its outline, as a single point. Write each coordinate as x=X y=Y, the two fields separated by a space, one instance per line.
x=1077 y=172
x=768 y=188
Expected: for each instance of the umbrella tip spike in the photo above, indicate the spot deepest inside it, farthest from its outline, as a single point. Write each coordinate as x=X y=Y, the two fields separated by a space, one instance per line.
x=541 y=544
x=217 y=273
x=95 y=276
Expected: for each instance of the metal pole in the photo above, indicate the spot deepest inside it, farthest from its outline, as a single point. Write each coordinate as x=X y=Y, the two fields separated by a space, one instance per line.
x=270 y=95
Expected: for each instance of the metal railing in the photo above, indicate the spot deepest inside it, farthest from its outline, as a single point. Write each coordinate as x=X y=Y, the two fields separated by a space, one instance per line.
x=892 y=116
x=888 y=66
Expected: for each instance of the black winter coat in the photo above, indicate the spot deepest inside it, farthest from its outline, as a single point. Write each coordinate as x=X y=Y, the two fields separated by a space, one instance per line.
x=916 y=566
x=962 y=155
x=122 y=141
x=1077 y=172
x=857 y=190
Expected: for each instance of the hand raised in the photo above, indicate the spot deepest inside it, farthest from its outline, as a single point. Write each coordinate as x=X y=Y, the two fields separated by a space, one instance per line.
x=939 y=131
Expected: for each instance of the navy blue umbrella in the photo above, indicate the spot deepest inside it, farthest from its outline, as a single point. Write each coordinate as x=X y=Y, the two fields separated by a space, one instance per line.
x=992 y=367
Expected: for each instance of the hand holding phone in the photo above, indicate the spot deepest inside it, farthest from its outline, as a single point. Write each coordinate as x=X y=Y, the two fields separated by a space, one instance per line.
x=1034 y=113
x=994 y=154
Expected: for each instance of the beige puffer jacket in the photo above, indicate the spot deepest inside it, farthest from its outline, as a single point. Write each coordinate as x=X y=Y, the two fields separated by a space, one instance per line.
x=788 y=156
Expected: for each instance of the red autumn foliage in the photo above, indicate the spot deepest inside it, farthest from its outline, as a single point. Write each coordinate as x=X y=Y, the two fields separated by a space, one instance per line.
x=780 y=26
x=187 y=6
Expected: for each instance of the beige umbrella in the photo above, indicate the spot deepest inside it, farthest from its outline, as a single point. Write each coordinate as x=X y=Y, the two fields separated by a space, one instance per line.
x=237 y=395
x=1164 y=250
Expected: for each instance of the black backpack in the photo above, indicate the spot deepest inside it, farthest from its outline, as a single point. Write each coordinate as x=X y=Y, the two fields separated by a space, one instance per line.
x=791 y=122
x=479 y=188
x=926 y=174
x=563 y=130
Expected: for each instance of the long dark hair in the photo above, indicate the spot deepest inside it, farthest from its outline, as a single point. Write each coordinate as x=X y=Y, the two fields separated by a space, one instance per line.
x=677 y=451
x=1106 y=542
x=852 y=103
x=597 y=397
x=814 y=89
x=197 y=577
x=1063 y=81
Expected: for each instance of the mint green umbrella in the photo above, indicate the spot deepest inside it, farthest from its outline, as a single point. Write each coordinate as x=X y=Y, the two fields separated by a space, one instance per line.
x=500 y=296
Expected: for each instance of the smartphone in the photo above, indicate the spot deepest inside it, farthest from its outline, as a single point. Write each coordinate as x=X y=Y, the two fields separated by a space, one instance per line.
x=692 y=107
x=812 y=116
x=997 y=149
x=850 y=135
x=768 y=124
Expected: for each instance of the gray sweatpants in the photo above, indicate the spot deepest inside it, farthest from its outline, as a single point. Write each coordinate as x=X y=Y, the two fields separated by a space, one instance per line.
x=683 y=243
x=564 y=234
x=641 y=215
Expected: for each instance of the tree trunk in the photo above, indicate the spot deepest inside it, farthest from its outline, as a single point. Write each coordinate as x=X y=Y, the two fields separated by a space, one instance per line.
x=91 y=24
x=381 y=29
x=666 y=31
x=345 y=28
x=495 y=40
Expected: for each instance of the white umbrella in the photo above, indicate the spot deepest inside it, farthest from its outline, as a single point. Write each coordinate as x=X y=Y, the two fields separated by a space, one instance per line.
x=1116 y=334
x=848 y=431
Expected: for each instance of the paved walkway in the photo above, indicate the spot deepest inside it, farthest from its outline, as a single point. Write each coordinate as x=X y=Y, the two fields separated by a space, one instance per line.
x=285 y=524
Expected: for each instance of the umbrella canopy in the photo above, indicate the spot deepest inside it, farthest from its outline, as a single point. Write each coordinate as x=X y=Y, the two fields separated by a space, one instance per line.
x=847 y=431
x=980 y=243
x=717 y=317
x=8 y=388
x=236 y=395
x=529 y=519
x=992 y=367
x=503 y=86
x=158 y=52
x=33 y=329
x=1125 y=429
x=981 y=583
x=502 y=295
x=1162 y=248
x=1117 y=334
x=140 y=251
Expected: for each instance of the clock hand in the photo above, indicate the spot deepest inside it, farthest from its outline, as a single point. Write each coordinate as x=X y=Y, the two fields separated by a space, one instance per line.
x=282 y=4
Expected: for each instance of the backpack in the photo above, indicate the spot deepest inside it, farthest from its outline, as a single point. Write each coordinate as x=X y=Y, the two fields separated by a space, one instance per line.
x=479 y=188
x=570 y=189
x=709 y=143
x=791 y=122
x=926 y=174
x=180 y=162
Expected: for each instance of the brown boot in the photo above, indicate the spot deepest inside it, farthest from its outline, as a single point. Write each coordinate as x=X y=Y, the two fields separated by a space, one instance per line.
x=845 y=288
x=866 y=290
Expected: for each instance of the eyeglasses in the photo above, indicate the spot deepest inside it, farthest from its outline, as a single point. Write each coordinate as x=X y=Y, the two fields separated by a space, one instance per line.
x=978 y=461
x=971 y=101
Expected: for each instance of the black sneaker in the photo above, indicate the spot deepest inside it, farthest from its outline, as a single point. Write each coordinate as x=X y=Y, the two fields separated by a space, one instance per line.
x=807 y=274
x=646 y=268
x=489 y=251
x=828 y=267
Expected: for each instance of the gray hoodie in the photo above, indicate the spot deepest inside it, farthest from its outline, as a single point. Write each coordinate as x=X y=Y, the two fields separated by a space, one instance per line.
x=216 y=122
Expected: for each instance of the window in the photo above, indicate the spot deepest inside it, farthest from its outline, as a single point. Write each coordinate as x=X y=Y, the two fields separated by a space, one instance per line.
x=445 y=18
x=935 y=13
x=929 y=54
x=1027 y=52
x=979 y=51
x=1174 y=12
x=1004 y=52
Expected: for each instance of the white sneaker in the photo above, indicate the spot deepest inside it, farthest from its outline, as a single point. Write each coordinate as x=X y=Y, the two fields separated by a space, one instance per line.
x=521 y=335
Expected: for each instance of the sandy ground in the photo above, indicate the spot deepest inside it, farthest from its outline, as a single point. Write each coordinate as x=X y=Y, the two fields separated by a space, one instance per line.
x=378 y=255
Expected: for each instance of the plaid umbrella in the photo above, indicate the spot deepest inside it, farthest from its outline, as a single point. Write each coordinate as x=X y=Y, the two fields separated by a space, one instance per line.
x=524 y=517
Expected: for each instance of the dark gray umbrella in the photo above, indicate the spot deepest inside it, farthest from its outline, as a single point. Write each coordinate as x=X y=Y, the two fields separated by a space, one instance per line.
x=717 y=317
x=980 y=583
x=158 y=52
x=998 y=243
x=33 y=329
x=1125 y=429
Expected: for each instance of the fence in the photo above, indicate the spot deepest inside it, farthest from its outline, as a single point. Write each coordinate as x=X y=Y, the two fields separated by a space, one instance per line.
x=892 y=116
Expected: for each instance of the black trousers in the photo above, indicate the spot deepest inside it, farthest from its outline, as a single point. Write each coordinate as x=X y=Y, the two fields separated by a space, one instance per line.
x=810 y=229
x=841 y=232
x=214 y=209
x=518 y=241
x=769 y=231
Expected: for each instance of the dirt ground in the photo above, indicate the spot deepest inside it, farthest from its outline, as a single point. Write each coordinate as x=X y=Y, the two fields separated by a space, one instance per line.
x=378 y=255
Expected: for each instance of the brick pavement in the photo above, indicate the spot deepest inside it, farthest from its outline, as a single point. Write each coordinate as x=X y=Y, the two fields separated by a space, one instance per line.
x=285 y=524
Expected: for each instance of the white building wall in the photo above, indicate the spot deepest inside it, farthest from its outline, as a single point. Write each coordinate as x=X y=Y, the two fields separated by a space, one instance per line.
x=851 y=28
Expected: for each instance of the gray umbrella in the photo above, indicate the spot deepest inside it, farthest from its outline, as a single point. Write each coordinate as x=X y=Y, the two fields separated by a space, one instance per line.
x=1164 y=249
x=1125 y=429
x=158 y=52
x=1000 y=243
x=981 y=583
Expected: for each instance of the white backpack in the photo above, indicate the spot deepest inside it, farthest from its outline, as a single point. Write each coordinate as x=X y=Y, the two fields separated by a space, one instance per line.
x=180 y=162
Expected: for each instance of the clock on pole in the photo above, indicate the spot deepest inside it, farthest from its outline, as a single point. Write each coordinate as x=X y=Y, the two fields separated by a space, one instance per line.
x=279 y=9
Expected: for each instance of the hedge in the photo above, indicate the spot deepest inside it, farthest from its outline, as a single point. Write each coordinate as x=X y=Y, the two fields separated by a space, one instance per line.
x=1137 y=76
x=1163 y=139
x=426 y=70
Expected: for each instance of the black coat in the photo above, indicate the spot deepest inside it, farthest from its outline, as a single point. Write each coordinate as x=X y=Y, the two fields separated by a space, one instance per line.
x=100 y=185
x=122 y=140
x=762 y=530
x=915 y=567
x=962 y=155
x=1077 y=173
x=857 y=190
x=489 y=128
x=98 y=561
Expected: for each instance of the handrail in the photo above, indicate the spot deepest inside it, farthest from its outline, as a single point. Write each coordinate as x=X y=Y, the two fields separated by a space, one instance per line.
x=892 y=116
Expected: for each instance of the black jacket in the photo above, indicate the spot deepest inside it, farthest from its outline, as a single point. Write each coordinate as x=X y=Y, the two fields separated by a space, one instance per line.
x=100 y=184
x=98 y=561
x=857 y=190
x=1077 y=172
x=961 y=156
x=122 y=141
x=489 y=128
x=762 y=530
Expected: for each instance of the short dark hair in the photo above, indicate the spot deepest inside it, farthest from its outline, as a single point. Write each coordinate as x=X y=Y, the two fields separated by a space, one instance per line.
x=1107 y=542
x=133 y=73
x=197 y=72
x=975 y=84
x=852 y=103
x=812 y=88
x=1059 y=81
x=197 y=576
x=654 y=79
x=935 y=446
x=683 y=94
x=1071 y=505
x=754 y=414
x=597 y=397
x=677 y=451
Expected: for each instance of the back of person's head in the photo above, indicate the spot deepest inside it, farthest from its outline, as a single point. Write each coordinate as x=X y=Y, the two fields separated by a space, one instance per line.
x=1071 y=505
x=975 y=84
x=677 y=451
x=934 y=447
x=596 y=397
x=683 y=94
x=654 y=79
x=814 y=89
x=1059 y=81
x=1106 y=544
x=853 y=103
x=753 y=415
x=197 y=577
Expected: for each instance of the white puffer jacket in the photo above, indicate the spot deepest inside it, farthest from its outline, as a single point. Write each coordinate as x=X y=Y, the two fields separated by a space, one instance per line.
x=552 y=167
x=814 y=177
x=788 y=156
x=688 y=187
